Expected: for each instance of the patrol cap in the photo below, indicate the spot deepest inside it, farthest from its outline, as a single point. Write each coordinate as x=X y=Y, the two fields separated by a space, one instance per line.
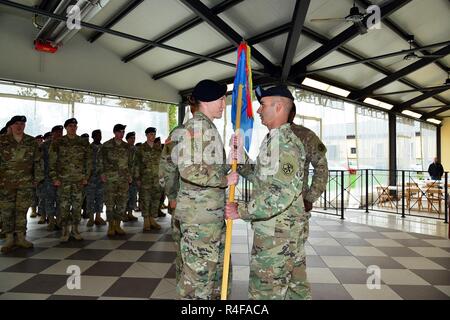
x=96 y=132
x=150 y=130
x=130 y=134
x=17 y=119
x=39 y=136
x=209 y=90
x=85 y=135
x=277 y=91
x=57 y=128
x=47 y=135
x=70 y=121
x=119 y=127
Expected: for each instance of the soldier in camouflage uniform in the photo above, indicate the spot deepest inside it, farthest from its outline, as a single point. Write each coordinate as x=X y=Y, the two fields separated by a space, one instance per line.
x=169 y=182
x=19 y=175
x=70 y=168
x=94 y=189
x=51 y=203
x=115 y=168
x=5 y=130
x=201 y=197
x=146 y=168
x=133 y=190
x=38 y=207
x=280 y=224
x=315 y=155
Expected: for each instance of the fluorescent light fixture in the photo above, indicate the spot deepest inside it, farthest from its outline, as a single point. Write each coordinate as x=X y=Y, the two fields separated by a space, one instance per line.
x=378 y=103
x=412 y=114
x=325 y=87
x=230 y=87
x=435 y=121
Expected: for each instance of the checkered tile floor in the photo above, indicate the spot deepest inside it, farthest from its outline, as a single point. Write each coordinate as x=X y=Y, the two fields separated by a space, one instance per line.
x=141 y=265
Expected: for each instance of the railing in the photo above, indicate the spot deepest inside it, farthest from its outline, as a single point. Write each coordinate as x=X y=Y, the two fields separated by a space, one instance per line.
x=402 y=192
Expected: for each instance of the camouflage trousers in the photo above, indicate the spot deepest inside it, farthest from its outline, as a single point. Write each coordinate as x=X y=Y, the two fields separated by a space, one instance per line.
x=278 y=262
x=149 y=198
x=202 y=251
x=132 y=196
x=70 y=197
x=49 y=203
x=94 y=197
x=116 y=197
x=14 y=205
x=176 y=236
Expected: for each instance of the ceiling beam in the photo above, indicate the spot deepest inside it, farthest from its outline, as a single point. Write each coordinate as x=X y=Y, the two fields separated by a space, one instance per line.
x=298 y=20
x=435 y=112
x=409 y=91
x=403 y=34
x=404 y=105
x=226 y=31
x=122 y=13
x=348 y=34
x=364 y=93
x=223 y=51
x=221 y=7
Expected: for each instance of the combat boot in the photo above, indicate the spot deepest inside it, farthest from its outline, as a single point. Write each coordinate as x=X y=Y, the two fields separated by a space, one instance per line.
x=75 y=233
x=154 y=224
x=161 y=214
x=33 y=212
x=8 y=246
x=147 y=224
x=118 y=229
x=51 y=223
x=65 y=233
x=111 y=229
x=130 y=216
x=99 y=221
x=43 y=219
x=90 y=222
x=21 y=242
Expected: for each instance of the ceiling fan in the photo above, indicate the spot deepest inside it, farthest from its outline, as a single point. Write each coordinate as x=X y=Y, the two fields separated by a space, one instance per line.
x=414 y=56
x=355 y=16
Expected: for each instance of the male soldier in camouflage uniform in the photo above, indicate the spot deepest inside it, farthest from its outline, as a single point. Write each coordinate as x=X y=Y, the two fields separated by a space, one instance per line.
x=5 y=130
x=51 y=203
x=169 y=181
x=38 y=208
x=315 y=154
x=278 y=265
x=132 y=191
x=161 y=214
x=70 y=168
x=146 y=168
x=201 y=198
x=19 y=174
x=115 y=168
x=94 y=189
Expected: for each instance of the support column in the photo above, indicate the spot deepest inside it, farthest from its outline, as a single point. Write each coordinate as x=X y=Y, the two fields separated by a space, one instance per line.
x=181 y=113
x=438 y=142
x=392 y=149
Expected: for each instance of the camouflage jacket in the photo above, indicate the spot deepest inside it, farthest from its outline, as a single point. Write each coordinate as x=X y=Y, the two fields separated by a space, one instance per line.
x=277 y=177
x=203 y=168
x=315 y=154
x=168 y=170
x=146 y=164
x=70 y=160
x=20 y=165
x=115 y=161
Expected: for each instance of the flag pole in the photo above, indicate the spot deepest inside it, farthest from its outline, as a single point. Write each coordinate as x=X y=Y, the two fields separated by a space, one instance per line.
x=227 y=255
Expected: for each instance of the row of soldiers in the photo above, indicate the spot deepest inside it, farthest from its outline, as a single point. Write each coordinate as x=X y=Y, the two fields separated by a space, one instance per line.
x=280 y=205
x=64 y=169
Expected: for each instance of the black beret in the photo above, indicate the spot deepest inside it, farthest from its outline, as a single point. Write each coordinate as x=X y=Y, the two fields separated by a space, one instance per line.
x=57 y=128
x=119 y=127
x=209 y=90
x=279 y=91
x=130 y=134
x=17 y=119
x=138 y=144
x=85 y=135
x=158 y=139
x=39 y=136
x=150 y=130
x=70 y=121
x=47 y=135
x=95 y=132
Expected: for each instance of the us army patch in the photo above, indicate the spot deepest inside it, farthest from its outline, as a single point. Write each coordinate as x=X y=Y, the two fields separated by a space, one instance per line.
x=287 y=168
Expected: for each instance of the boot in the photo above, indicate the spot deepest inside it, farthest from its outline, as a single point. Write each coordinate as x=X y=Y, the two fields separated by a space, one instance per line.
x=65 y=233
x=33 y=212
x=99 y=221
x=51 y=224
x=147 y=224
x=130 y=216
x=161 y=214
x=111 y=229
x=9 y=243
x=43 y=219
x=75 y=233
x=118 y=229
x=154 y=224
x=90 y=222
x=21 y=242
